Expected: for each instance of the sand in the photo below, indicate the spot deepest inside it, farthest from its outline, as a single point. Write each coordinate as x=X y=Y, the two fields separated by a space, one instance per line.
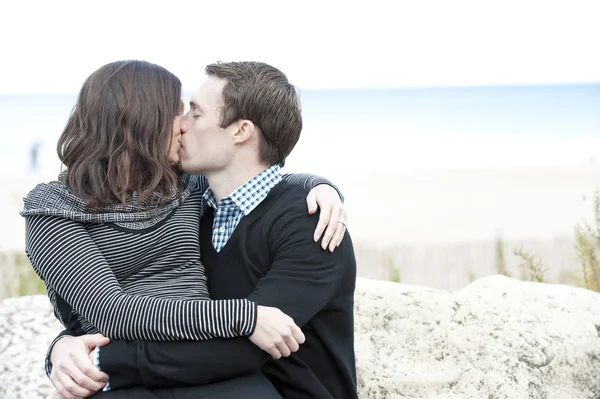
x=438 y=228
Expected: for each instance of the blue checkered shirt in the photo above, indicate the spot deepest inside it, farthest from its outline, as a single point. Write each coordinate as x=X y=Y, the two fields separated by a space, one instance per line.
x=230 y=210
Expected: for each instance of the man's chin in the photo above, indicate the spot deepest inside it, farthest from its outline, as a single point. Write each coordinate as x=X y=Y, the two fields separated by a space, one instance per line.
x=189 y=169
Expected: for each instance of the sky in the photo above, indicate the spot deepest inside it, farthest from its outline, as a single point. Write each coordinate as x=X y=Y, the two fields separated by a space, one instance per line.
x=51 y=47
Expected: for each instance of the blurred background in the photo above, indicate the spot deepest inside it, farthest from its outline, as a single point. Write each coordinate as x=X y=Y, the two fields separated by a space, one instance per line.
x=460 y=132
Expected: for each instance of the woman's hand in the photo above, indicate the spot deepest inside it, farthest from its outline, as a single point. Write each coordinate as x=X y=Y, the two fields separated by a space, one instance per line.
x=333 y=215
x=276 y=333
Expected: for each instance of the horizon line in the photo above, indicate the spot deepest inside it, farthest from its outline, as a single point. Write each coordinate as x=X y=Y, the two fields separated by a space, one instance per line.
x=370 y=88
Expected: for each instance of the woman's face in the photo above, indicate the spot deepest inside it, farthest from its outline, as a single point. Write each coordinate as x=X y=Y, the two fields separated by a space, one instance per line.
x=175 y=144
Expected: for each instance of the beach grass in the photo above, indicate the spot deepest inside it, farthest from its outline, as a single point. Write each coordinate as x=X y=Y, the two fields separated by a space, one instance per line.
x=17 y=277
x=441 y=267
x=587 y=248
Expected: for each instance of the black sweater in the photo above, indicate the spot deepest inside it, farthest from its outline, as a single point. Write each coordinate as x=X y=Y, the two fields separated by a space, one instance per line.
x=271 y=259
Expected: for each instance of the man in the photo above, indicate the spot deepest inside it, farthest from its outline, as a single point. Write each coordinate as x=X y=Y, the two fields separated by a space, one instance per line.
x=256 y=243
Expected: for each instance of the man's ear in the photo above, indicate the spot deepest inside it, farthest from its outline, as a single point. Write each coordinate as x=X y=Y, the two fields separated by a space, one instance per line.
x=245 y=131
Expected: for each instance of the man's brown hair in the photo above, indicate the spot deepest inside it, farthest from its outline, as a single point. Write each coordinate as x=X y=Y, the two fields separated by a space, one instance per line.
x=262 y=94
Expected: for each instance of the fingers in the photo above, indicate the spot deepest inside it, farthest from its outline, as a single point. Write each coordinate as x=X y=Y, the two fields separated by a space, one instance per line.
x=62 y=392
x=86 y=375
x=276 y=333
x=73 y=388
x=288 y=344
x=76 y=376
x=338 y=235
x=323 y=221
x=94 y=340
x=291 y=344
x=291 y=341
x=298 y=335
x=65 y=387
x=311 y=202
x=283 y=348
x=336 y=229
x=274 y=352
x=332 y=227
x=78 y=383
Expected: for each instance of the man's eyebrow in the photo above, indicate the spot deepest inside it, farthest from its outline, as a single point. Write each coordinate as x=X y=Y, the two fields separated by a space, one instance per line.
x=194 y=104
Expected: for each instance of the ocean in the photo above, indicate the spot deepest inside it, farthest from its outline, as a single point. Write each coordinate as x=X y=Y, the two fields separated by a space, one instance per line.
x=365 y=131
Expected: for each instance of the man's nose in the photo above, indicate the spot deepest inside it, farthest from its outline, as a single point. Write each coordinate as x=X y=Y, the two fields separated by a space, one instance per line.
x=183 y=125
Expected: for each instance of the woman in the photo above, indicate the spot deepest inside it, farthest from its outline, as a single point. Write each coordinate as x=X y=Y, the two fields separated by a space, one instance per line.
x=115 y=239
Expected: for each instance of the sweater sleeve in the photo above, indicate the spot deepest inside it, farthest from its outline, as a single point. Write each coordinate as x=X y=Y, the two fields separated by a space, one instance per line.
x=301 y=266
x=66 y=258
x=308 y=181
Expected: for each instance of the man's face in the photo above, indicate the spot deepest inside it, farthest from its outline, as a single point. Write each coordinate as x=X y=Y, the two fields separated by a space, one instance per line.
x=205 y=146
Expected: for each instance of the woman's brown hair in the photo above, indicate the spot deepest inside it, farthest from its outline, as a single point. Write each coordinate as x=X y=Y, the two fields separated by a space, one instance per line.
x=116 y=139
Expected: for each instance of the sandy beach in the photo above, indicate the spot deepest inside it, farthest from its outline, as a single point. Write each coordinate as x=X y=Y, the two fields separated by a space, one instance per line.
x=436 y=228
x=440 y=228
x=458 y=206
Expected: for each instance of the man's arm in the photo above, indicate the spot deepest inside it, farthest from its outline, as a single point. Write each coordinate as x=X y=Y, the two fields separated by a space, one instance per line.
x=302 y=280
x=324 y=194
x=309 y=182
x=172 y=364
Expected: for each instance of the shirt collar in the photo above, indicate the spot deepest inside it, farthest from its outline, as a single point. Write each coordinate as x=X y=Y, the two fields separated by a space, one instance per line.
x=250 y=194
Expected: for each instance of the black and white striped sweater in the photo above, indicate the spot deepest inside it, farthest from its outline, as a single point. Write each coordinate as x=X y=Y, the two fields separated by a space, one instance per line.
x=129 y=272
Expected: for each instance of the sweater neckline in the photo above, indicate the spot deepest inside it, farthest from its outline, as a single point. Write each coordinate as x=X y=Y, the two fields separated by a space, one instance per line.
x=256 y=213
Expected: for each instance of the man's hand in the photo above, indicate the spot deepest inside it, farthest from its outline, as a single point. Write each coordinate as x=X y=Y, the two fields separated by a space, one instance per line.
x=276 y=332
x=333 y=215
x=74 y=375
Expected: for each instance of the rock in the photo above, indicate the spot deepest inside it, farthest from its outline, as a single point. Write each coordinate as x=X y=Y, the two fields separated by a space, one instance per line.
x=27 y=326
x=497 y=338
